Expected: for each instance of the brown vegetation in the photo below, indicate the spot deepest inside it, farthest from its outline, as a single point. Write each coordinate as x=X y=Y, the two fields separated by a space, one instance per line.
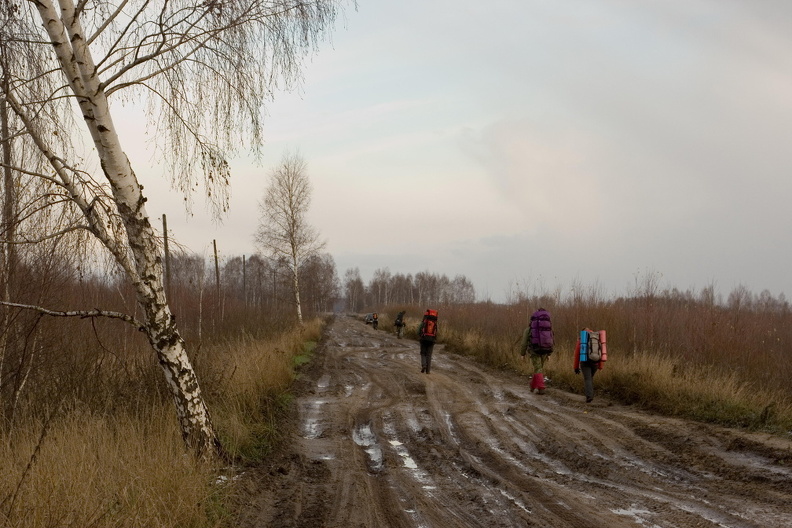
x=680 y=353
x=88 y=436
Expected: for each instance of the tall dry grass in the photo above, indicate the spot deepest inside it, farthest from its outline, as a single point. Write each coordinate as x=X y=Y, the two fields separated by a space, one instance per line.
x=247 y=386
x=93 y=470
x=82 y=465
x=680 y=353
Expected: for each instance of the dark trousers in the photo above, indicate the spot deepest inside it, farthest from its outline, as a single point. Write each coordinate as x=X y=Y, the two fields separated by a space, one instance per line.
x=426 y=355
x=588 y=368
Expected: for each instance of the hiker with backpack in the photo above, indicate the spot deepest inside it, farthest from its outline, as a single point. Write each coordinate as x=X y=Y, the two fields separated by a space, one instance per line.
x=590 y=353
x=427 y=335
x=400 y=324
x=538 y=340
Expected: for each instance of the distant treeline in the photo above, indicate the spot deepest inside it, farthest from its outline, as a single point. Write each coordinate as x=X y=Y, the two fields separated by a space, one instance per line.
x=743 y=334
x=386 y=288
x=42 y=357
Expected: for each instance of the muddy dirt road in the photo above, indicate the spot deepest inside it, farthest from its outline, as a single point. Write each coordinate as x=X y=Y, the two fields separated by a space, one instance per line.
x=378 y=444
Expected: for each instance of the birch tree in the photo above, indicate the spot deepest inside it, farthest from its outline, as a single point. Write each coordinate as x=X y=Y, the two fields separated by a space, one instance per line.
x=284 y=231
x=354 y=289
x=203 y=70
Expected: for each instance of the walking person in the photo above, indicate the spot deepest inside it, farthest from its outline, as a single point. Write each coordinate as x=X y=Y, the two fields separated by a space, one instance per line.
x=538 y=342
x=427 y=335
x=590 y=354
x=400 y=324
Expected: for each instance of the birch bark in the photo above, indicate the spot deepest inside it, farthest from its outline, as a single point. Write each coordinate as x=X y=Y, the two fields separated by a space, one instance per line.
x=139 y=254
x=296 y=289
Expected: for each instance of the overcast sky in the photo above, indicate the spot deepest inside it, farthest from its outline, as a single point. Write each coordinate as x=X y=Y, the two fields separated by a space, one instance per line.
x=536 y=142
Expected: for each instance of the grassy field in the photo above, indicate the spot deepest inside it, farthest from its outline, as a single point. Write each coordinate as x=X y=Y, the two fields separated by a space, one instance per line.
x=85 y=449
x=124 y=464
x=678 y=354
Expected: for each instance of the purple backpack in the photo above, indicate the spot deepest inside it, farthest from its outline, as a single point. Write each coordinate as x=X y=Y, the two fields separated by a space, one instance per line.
x=541 y=331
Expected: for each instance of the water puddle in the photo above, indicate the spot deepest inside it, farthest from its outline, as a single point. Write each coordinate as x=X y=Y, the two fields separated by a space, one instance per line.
x=312 y=426
x=517 y=502
x=365 y=438
x=404 y=454
x=638 y=515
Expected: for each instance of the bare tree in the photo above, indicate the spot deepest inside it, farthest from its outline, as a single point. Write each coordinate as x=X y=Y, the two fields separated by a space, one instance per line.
x=319 y=282
x=353 y=289
x=380 y=286
x=283 y=230
x=203 y=69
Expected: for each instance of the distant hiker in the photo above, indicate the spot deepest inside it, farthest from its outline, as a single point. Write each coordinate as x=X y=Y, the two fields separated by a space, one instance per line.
x=590 y=353
x=427 y=335
x=538 y=340
x=400 y=324
x=375 y=320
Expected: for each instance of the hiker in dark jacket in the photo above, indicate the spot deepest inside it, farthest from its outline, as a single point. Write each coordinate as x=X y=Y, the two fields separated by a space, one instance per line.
x=400 y=324
x=427 y=335
x=588 y=368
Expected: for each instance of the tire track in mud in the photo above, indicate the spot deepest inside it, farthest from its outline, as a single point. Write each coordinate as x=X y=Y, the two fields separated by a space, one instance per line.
x=378 y=444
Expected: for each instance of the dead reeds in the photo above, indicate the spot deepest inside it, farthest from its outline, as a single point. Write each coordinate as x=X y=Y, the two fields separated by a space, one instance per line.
x=680 y=353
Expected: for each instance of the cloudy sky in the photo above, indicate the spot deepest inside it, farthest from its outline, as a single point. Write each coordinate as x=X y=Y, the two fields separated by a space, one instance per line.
x=537 y=143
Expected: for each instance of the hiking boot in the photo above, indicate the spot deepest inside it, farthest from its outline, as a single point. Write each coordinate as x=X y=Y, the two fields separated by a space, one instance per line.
x=423 y=369
x=588 y=400
x=537 y=382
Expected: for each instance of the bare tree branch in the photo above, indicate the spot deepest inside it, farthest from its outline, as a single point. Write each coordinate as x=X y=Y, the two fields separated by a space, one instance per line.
x=83 y=314
x=25 y=240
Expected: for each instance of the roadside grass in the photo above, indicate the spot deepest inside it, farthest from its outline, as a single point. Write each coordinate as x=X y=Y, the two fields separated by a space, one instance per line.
x=127 y=466
x=249 y=387
x=723 y=383
x=658 y=382
x=95 y=470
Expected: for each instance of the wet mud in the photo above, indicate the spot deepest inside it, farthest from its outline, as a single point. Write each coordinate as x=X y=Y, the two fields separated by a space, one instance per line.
x=373 y=442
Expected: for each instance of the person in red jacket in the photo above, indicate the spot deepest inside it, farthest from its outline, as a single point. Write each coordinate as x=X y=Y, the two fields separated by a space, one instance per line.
x=588 y=368
x=427 y=335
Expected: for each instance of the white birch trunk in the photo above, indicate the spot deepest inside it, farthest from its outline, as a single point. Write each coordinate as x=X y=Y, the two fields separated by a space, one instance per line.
x=296 y=287
x=77 y=63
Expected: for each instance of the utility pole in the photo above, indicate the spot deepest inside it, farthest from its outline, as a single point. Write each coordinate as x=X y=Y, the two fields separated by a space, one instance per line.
x=167 y=259
x=244 y=281
x=217 y=273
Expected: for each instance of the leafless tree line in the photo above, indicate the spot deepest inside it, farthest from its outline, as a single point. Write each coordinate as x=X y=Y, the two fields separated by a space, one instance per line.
x=102 y=364
x=423 y=288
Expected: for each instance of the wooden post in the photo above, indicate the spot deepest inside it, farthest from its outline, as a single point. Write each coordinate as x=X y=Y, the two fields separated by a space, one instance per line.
x=244 y=282
x=217 y=272
x=167 y=258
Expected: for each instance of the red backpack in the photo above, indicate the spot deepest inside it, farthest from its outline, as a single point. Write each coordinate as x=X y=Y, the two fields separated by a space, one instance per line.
x=429 y=327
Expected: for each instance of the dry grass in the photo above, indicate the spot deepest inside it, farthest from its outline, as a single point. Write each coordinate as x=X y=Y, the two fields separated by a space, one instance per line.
x=92 y=470
x=718 y=389
x=128 y=467
x=249 y=390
